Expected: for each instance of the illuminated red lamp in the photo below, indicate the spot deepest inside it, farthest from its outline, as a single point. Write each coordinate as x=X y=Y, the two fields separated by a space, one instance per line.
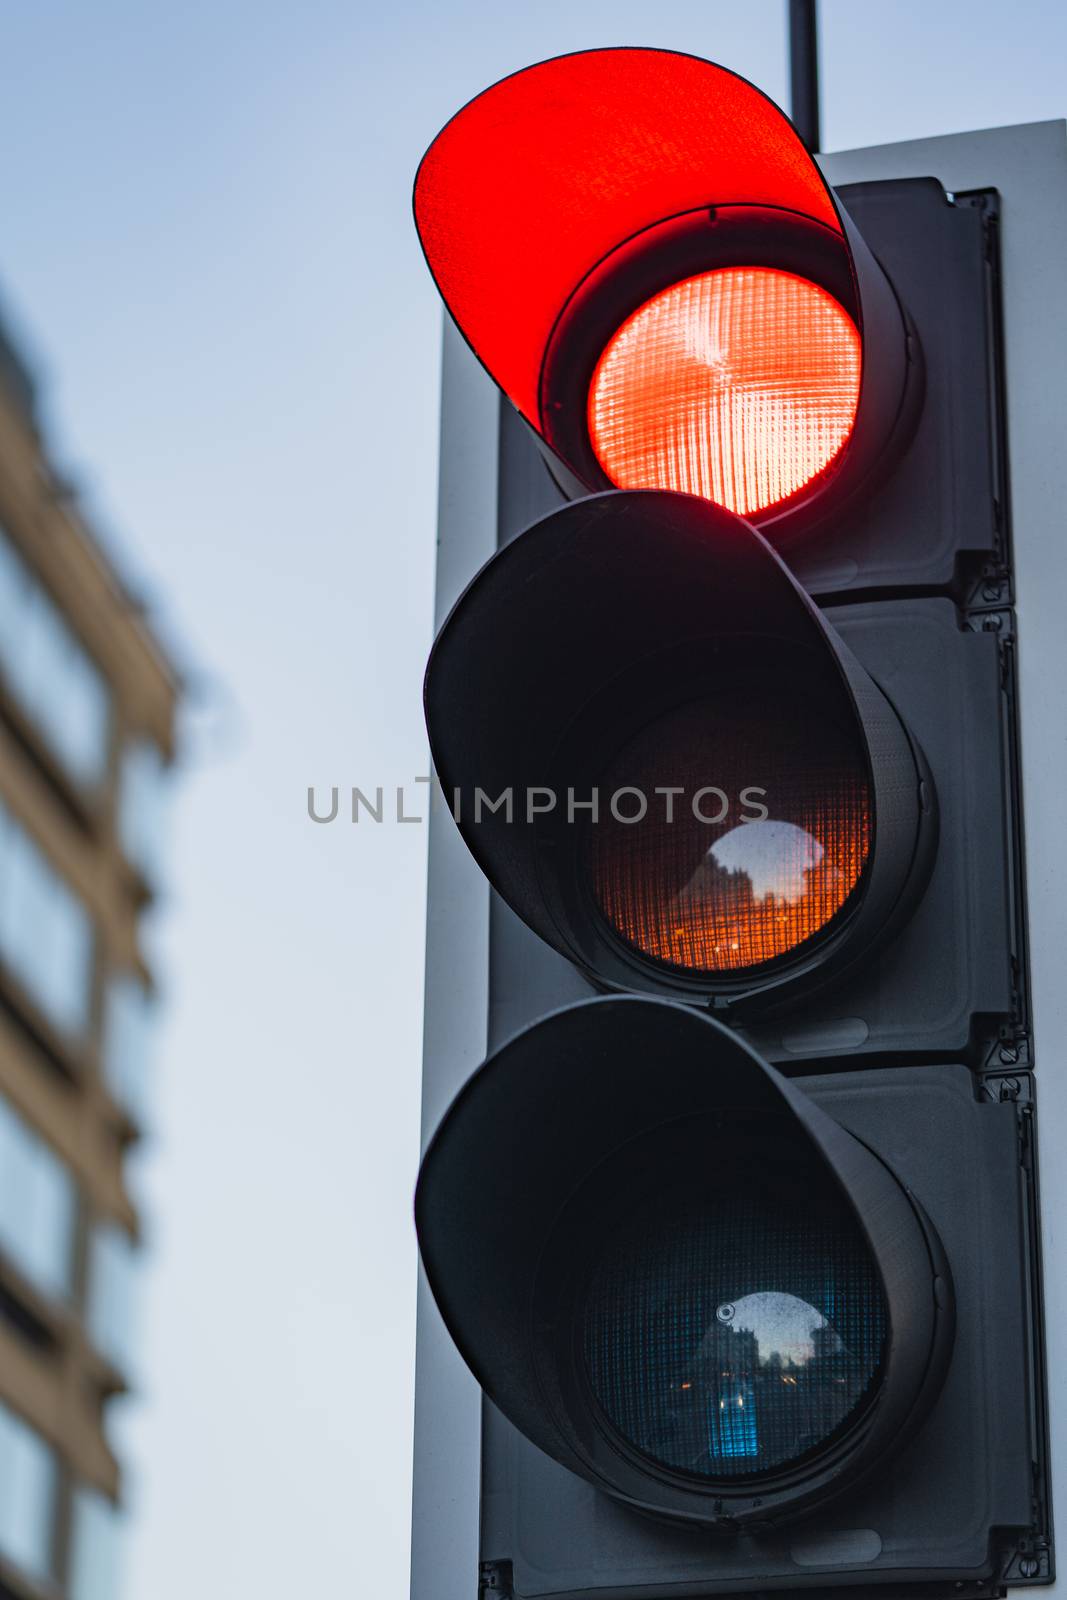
x=642 y=253
x=739 y=385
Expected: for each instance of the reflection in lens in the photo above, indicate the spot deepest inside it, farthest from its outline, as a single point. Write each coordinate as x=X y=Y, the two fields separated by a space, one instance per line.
x=730 y=887
x=731 y=1330
x=775 y=857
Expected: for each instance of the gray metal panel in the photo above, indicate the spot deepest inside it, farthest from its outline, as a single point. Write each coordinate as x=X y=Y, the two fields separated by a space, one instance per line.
x=924 y=994
x=446 y=1485
x=527 y=977
x=1028 y=165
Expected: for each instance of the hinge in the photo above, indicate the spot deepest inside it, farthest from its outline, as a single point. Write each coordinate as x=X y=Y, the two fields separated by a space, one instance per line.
x=1005 y=1077
x=1006 y=1053
x=987 y=203
x=1026 y=1137
x=989 y=589
x=1027 y=1560
x=496 y=1581
x=1002 y=623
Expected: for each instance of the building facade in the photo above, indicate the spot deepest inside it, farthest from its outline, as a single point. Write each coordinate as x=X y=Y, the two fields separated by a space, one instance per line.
x=87 y=706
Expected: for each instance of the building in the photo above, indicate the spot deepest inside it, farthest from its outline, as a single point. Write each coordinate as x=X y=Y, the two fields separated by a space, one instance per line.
x=87 y=706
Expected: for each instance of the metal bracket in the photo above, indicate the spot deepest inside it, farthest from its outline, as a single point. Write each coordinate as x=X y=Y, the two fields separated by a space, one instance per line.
x=1027 y=1560
x=496 y=1581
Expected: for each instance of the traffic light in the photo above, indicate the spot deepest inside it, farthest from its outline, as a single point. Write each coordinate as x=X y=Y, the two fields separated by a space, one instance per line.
x=729 y=1316
x=767 y=818
x=736 y=1226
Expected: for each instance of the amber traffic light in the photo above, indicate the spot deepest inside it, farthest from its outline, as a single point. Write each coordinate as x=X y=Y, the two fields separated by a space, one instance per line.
x=667 y=763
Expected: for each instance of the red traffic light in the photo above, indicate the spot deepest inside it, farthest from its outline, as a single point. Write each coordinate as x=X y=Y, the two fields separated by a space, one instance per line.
x=641 y=252
x=739 y=385
x=532 y=184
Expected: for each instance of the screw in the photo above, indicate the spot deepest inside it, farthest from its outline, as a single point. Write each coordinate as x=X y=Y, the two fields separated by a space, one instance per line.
x=1009 y=1089
x=992 y=624
x=1029 y=1566
x=991 y=591
x=1009 y=1054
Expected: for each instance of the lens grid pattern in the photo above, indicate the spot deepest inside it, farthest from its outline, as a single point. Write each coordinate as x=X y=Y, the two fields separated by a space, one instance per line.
x=710 y=884
x=733 y=1337
x=740 y=385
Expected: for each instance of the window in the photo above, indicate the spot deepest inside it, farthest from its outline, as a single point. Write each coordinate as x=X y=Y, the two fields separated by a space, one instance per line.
x=112 y=1286
x=142 y=800
x=28 y=1500
x=46 y=936
x=49 y=673
x=129 y=1032
x=37 y=1206
x=96 y=1545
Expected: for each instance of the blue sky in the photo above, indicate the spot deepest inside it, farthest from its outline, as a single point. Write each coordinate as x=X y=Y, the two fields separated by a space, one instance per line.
x=208 y=248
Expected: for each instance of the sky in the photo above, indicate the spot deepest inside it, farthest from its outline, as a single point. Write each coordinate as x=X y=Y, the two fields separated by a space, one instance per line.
x=207 y=250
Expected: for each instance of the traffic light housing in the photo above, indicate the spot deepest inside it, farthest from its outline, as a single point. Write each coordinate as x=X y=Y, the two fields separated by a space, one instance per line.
x=546 y=229
x=782 y=1400
x=638 y=646
x=625 y=636
x=620 y=197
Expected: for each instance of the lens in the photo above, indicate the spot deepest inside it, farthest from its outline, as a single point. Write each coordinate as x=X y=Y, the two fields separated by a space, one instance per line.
x=733 y=1328
x=758 y=849
x=739 y=385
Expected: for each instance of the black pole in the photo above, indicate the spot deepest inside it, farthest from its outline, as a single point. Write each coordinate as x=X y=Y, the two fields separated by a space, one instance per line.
x=804 y=70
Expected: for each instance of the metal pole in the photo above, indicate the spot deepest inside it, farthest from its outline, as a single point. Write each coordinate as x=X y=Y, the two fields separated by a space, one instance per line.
x=804 y=70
